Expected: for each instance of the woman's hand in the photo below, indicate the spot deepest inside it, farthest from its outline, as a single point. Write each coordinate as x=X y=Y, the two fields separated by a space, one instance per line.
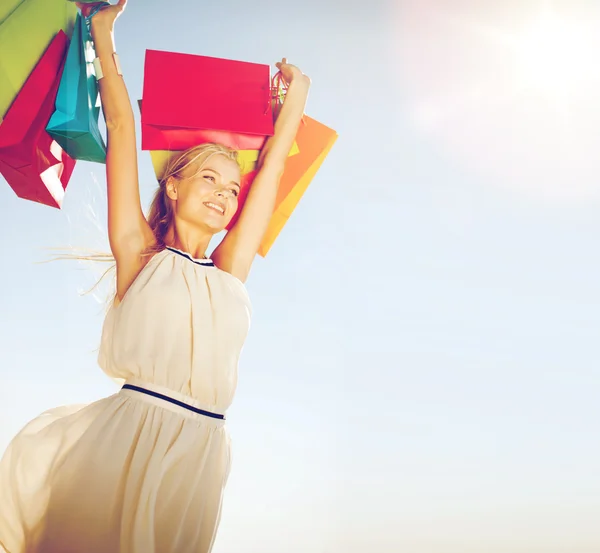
x=106 y=16
x=291 y=73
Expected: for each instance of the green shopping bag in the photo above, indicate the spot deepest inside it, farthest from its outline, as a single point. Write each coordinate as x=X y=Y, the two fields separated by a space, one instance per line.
x=7 y=7
x=74 y=123
x=26 y=29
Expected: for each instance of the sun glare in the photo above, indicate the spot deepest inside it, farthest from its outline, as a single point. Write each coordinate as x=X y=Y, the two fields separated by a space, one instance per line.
x=554 y=54
x=507 y=90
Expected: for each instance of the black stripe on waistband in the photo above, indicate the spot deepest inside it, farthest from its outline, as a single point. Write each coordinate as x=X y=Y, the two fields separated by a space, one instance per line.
x=174 y=401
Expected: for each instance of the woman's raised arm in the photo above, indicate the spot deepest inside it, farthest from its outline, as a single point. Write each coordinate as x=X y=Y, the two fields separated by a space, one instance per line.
x=128 y=231
x=237 y=250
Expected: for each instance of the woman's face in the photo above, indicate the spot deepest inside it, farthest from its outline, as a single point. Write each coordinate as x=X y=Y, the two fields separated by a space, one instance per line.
x=210 y=197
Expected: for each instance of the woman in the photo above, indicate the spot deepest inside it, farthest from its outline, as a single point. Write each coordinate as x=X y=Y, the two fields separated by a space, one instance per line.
x=144 y=470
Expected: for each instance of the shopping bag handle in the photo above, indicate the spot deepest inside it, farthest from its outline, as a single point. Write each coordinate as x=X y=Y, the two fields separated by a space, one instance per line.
x=95 y=10
x=279 y=88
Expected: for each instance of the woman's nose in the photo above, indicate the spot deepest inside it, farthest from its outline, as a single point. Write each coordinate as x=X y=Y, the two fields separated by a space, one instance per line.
x=223 y=192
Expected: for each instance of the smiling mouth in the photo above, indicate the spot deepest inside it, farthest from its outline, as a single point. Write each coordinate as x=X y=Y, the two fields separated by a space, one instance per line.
x=219 y=209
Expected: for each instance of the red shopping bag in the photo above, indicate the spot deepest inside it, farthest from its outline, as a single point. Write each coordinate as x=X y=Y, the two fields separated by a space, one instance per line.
x=190 y=100
x=33 y=164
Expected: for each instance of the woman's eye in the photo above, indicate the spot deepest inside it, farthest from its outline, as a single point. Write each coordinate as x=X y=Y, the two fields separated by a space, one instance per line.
x=235 y=192
x=209 y=177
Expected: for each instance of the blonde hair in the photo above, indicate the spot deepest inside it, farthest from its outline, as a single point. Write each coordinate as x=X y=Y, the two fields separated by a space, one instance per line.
x=160 y=216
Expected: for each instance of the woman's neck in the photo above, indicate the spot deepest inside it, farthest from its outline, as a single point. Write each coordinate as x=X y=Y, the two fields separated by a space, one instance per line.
x=194 y=243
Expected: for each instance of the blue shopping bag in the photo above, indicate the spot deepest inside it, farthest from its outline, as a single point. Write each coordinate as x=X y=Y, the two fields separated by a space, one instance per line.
x=74 y=123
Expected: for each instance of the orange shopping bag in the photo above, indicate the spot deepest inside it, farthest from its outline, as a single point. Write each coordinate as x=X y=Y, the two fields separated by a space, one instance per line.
x=314 y=141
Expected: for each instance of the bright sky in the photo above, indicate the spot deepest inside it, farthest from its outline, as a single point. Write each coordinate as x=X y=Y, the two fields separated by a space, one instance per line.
x=421 y=373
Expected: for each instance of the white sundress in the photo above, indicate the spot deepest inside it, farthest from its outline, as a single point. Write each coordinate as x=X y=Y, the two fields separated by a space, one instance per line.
x=134 y=472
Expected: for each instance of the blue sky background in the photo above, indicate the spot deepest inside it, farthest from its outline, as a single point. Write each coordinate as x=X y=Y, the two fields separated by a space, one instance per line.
x=422 y=369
